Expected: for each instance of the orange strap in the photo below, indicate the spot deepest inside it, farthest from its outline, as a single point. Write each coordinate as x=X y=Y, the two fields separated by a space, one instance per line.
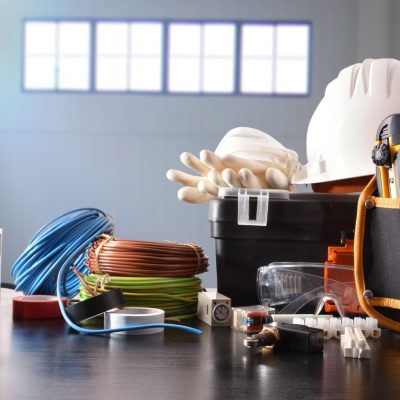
x=385 y=302
x=368 y=304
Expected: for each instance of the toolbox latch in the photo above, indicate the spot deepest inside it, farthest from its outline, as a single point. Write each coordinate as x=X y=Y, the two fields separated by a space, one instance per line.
x=261 y=216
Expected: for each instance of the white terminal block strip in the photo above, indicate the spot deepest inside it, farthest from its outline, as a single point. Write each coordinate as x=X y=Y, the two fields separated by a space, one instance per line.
x=335 y=327
x=288 y=318
x=354 y=344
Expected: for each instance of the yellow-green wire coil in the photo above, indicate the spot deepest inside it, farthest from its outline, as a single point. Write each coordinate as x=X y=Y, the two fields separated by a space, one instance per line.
x=176 y=296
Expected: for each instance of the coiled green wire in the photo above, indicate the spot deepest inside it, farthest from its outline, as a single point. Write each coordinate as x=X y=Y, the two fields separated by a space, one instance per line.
x=176 y=296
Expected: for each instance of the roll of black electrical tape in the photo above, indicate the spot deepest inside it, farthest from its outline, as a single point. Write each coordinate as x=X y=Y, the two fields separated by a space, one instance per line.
x=95 y=305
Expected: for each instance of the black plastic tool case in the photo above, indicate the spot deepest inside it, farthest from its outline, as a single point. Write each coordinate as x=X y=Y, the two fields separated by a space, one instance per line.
x=299 y=228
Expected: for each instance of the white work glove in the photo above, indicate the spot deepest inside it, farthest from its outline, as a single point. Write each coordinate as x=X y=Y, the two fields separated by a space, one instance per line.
x=245 y=158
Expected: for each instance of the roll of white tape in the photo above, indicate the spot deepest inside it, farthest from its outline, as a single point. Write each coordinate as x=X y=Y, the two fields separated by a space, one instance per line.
x=119 y=318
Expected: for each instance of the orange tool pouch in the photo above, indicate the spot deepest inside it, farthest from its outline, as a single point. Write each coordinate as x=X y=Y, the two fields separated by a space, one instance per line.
x=377 y=256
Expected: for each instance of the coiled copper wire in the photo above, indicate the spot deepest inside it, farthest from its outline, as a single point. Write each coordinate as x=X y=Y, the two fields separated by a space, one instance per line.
x=112 y=256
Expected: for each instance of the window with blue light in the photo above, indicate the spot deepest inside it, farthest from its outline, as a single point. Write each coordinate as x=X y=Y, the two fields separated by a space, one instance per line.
x=57 y=56
x=201 y=58
x=128 y=56
x=168 y=57
x=275 y=58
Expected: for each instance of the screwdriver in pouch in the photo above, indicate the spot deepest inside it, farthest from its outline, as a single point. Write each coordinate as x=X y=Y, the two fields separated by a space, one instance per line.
x=385 y=156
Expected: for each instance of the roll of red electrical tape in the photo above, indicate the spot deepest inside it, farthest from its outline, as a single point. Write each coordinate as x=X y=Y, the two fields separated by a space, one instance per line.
x=37 y=307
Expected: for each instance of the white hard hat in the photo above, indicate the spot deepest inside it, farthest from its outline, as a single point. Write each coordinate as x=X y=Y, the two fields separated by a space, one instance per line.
x=342 y=130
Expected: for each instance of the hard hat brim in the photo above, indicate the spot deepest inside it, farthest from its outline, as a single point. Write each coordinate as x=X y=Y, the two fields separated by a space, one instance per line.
x=310 y=173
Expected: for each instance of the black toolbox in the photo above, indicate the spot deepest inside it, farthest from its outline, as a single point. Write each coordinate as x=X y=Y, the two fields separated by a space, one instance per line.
x=273 y=226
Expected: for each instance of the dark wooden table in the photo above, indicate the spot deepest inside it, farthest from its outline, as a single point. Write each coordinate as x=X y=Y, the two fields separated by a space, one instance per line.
x=45 y=360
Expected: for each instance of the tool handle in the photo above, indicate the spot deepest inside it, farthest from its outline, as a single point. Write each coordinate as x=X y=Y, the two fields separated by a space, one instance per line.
x=379 y=186
x=382 y=181
x=396 y=173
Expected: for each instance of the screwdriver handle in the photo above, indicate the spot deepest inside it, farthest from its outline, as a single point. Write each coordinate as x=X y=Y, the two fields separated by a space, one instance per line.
x=396 y=173
x=382 y=181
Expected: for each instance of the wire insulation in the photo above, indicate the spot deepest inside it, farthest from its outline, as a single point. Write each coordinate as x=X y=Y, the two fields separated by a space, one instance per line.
x=44 y=266
x=112 y=256
x=176 y=296
x=62 y=240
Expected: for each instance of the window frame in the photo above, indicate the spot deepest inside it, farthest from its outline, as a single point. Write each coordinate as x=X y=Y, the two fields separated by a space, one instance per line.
x=165 y=57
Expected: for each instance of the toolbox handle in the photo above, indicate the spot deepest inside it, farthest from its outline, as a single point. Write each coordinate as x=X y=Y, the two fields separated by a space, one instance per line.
x=244 y=207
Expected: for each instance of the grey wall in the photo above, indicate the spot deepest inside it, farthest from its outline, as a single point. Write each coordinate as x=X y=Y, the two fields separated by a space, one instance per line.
x=64 y=151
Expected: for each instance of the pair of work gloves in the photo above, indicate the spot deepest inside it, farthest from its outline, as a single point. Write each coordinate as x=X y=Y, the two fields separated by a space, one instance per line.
x=245 y=158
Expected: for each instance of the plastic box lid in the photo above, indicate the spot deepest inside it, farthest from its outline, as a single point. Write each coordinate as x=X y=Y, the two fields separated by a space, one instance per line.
x=250 y=206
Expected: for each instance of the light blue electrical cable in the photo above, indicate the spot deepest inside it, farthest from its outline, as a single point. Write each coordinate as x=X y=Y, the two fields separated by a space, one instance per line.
x=43 y=266
x=35 y=271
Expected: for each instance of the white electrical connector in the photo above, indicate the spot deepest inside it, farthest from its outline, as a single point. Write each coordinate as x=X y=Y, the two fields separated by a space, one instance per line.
x=317 y=321
x=354 y=344
x=369 y=326
x=288 y=318
x=335 y=327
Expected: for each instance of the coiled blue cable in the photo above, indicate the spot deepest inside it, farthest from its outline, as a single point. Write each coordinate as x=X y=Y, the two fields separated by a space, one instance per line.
x=63 y=239
x=43 y=268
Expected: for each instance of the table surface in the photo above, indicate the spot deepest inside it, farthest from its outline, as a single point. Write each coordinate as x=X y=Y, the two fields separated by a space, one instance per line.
x=46 y=360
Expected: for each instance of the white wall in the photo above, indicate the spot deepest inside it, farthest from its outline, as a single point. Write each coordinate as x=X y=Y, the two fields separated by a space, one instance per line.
x=64 y=151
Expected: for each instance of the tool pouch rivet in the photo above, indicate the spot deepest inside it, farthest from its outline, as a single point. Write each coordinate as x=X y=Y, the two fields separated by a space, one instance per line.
x=368 y=294
x=369 y=203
